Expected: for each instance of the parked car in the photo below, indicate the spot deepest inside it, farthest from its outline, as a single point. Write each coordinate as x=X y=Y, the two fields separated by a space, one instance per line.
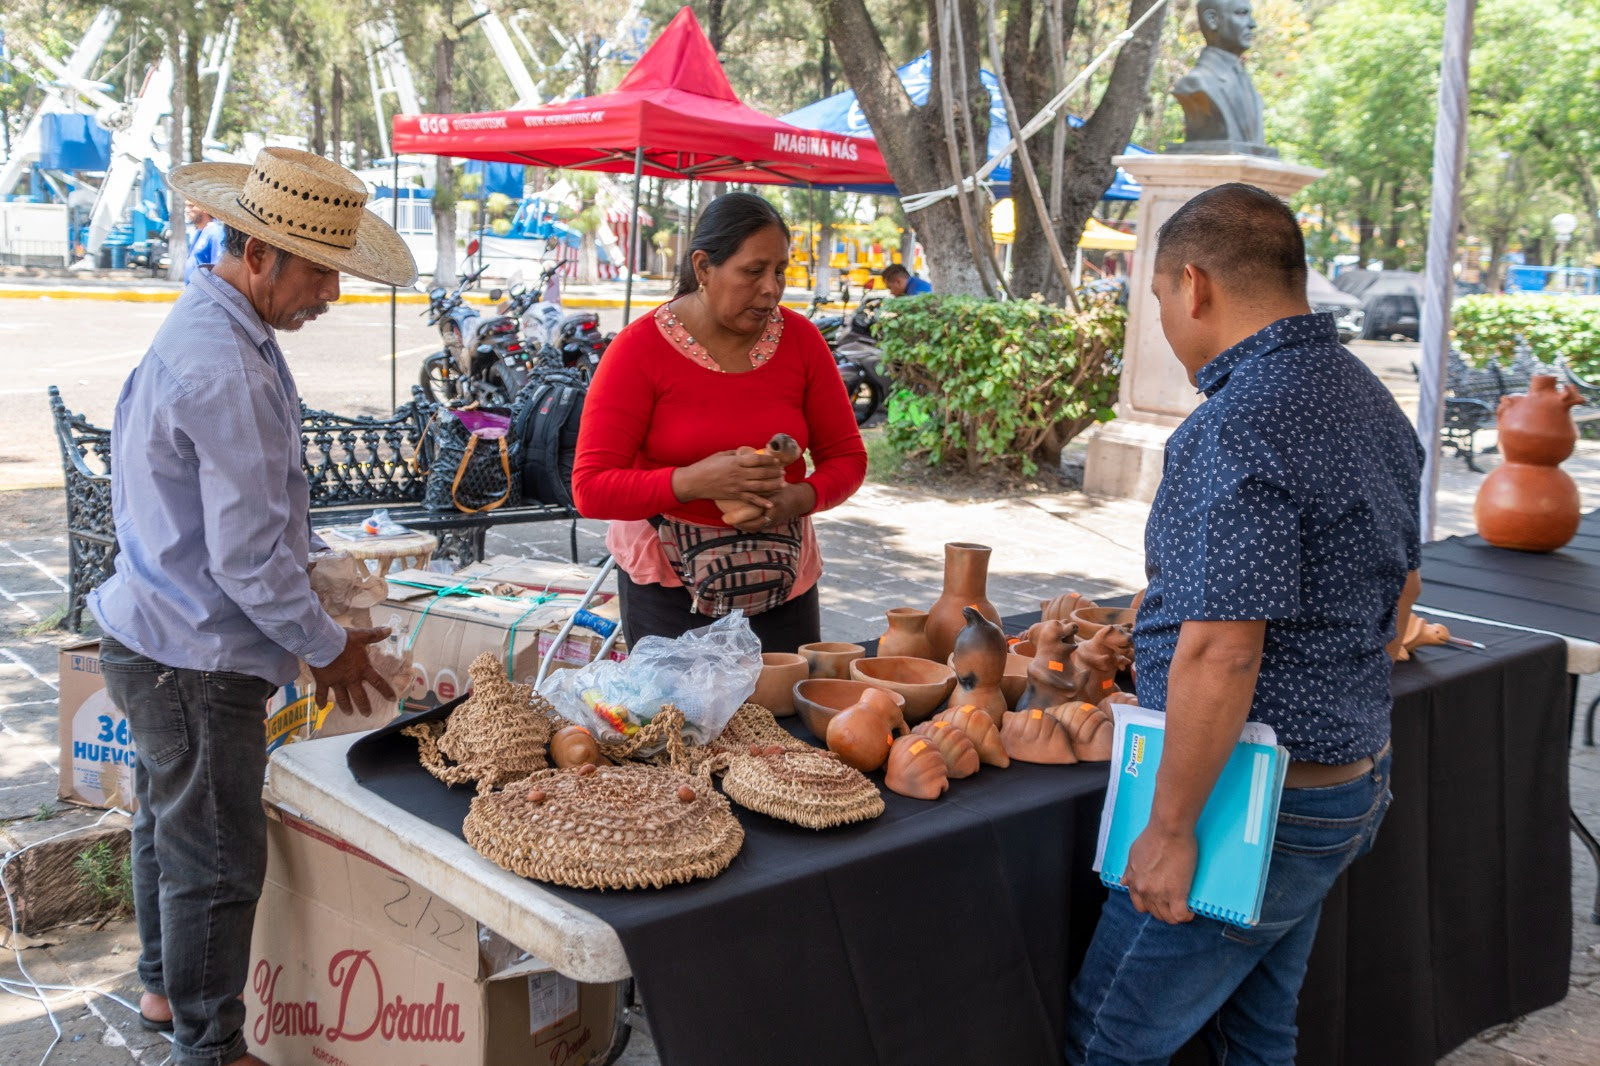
x=1324 y=296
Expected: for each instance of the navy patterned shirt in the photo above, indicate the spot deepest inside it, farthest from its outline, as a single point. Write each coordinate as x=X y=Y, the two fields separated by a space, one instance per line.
x=1289 y=495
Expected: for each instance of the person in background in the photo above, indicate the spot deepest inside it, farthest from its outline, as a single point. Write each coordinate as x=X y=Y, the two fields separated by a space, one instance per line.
x=211 y=610
x=205 y=239
x=1278 y=545
x=720 y=366
x=901 y=282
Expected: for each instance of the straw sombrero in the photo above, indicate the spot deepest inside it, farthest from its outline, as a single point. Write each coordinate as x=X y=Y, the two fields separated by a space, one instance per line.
x=304 y=204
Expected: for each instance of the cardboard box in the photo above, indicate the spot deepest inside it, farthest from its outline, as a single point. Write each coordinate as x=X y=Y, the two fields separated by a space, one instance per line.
x=97 y=749
x=540 y=575
x=447 y=622
x=354 y=963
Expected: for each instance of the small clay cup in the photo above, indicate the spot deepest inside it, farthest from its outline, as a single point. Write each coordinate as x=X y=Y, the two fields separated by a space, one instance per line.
x=922 y=683
x=775 y=687
x=818 y=699
x=1025 y=648
x=1092 y=620
x=1015 y=679
x=831 y=658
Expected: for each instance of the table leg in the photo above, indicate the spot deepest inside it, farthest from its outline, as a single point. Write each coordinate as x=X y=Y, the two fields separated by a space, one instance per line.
x=1594 y=853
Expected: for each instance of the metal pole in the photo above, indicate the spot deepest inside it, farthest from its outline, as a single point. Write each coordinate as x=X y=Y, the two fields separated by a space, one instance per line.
x=633 y=236
x=1449 y=149
x=394 y=344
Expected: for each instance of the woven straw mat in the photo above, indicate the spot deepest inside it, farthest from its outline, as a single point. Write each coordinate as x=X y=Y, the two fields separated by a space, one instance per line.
x=810 y=788
x=498 y=735
x=607 y=827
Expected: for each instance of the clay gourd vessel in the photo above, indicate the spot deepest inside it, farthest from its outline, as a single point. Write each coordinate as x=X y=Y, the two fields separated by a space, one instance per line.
x=907 y=634
x=787 y=449
x=1088 y=727
x=960 y=757
x=916 y=769
x=831 y=658
x=979 y=659
x=1528 y=503
x=1034 y=736
x=966 y=582
x=924 y=685
x=1051 y=677
x=574 y=746
x=818 y=699
x=1098 y=660
x=981 y=730
x=775 y=684
x=860 y=736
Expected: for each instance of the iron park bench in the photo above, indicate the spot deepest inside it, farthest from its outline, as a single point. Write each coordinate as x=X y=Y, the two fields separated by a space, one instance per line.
x=1472 y=397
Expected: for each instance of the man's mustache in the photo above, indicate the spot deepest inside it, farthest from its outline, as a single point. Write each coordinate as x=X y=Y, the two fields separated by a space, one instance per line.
x=308 y=313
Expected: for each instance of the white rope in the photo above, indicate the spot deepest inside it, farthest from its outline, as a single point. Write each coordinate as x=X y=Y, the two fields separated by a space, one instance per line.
x=920 y=201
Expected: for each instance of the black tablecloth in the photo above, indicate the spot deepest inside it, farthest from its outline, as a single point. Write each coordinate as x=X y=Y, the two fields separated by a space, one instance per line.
x=945 y=932
x=1558 y=591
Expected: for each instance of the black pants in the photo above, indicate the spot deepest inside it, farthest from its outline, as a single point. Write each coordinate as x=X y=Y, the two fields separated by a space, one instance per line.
x=664 y=611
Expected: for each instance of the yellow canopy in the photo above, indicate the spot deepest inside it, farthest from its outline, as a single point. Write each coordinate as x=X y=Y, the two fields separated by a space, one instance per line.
x=1096 y=234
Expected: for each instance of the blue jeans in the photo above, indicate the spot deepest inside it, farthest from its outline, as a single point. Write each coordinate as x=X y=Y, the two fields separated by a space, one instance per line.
x=1146 y=987
x=199 y=840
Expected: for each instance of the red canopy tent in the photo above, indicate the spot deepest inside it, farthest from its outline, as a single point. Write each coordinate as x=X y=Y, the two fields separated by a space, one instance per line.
x=673 y=116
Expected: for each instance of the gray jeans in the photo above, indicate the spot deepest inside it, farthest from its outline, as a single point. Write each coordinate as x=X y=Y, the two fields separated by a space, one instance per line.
x=199 y=840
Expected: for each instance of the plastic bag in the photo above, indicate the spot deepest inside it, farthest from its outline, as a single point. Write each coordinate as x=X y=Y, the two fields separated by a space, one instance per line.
x=706 y=673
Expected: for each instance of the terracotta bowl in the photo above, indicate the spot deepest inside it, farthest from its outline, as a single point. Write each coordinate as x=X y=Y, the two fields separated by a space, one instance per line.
x=1092 y=620
x=775 y=687
x=1015 y=678
x=924 y=684
x=818 y=699
x=1025 y=648
x=831 y=658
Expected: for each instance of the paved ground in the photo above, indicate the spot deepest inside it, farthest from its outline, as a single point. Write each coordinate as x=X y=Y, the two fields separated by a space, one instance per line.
x=882 y=551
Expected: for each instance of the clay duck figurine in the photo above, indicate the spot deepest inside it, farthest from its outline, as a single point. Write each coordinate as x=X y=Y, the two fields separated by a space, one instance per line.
x=1051 y=677
x=787 y=449
x=980 y=662
x=1098 y=660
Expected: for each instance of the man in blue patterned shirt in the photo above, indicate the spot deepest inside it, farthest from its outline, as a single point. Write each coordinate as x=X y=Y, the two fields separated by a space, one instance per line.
x=1278 y=545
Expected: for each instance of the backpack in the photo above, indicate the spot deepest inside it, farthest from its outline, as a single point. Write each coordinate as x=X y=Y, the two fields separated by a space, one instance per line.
x=548 y=410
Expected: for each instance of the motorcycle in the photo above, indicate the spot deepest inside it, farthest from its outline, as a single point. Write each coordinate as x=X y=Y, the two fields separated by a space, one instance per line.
x=856 y=352
x=483 y=359
x=575 y=336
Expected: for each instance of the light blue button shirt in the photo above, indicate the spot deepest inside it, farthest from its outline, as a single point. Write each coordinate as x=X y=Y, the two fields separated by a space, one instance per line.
x=210 y=501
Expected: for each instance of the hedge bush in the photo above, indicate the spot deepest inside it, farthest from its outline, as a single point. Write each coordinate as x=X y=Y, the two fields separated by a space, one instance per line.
x=1488 y=327
x=990 y=383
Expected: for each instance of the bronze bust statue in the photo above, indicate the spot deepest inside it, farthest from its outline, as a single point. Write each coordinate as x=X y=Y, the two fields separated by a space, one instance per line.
x=1221 y=108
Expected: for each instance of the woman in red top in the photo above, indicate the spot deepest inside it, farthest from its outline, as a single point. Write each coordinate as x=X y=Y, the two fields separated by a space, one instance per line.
x=720 y=366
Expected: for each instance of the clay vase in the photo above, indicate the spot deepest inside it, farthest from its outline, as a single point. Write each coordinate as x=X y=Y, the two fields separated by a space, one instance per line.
x=831 y=658
x=775 y=685
x=980 y=663
x=1528 y=503
x=907 y=635
x=966 y=581
x=1051 y=677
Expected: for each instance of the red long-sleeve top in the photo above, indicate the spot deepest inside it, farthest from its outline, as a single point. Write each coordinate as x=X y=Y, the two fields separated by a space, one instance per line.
x=651 y=410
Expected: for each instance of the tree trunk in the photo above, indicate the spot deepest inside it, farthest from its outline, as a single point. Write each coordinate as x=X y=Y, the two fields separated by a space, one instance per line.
x=444 y=199
x=715 y=30
x=319 y=139
x=1499 y=238
x=1391 y=232
x=1591 y=197
x=336 y=106
x=177 y=235
x=194 y=127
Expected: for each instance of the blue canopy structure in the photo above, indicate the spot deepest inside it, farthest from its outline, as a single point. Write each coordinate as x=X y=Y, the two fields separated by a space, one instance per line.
x=840 y=113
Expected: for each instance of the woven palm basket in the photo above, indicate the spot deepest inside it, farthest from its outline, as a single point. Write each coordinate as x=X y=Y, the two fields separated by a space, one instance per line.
x=498 y=735
x=810 y=788
x=611 y=827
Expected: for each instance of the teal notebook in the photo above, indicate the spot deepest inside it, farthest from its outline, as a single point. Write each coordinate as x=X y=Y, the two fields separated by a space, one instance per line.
x=1235 y=830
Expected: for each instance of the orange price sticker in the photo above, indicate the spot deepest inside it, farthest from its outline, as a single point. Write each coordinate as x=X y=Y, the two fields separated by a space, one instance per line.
x=1057 y=667
x=1108 y=684
x=1037 y=713
x=917 y=748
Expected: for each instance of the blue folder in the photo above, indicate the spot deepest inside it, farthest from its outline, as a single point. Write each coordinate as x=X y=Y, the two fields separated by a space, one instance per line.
x=1236 y=828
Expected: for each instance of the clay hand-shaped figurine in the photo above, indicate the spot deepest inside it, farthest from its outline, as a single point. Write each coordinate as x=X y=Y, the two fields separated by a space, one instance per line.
x=575 y=746
x=960 y=757
x=981 y=730
x=1098 y=661
x=1419 y=633
x=737 y=512
x=1034 y=736
x=1051 y=677
x=916 y=769
x=980 y=663
x=1089 y=728
x=1061 y=607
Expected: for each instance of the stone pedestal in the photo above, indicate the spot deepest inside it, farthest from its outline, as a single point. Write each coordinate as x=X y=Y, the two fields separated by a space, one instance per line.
x=1155 y=396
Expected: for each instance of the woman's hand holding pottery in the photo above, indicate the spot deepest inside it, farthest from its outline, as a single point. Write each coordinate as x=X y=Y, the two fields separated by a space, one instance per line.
x=791 y=501
x=745 y=476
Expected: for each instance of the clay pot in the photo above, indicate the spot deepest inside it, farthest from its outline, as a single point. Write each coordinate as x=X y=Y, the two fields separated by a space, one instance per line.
x=818 y=699
x=979 y=660
x=1093 y=619
x=907 y=634
x=1015 y=680
x=775 y=686
x=916 y=769
x=1025 y=648
x=966 y=581
x=830 y=658
x=1528 y=503
x=924 y=685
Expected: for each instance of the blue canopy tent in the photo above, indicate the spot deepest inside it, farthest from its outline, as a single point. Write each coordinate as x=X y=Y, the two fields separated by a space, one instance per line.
x=840 y=113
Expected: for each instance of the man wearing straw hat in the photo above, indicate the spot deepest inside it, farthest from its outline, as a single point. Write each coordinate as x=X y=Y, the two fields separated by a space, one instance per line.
x=210 y=609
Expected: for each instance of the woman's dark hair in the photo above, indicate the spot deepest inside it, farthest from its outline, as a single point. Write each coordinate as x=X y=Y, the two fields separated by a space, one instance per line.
x=724 y=225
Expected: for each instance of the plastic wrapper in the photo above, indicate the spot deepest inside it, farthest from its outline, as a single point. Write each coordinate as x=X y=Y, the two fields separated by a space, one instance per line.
x=706 y=673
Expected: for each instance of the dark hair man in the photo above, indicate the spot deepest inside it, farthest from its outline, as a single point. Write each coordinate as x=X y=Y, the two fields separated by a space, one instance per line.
x=901 y=282
x=1278 y=544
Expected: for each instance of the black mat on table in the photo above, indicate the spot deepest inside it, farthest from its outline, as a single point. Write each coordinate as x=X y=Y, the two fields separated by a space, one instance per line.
x=945 y=932
x=1558 y=591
